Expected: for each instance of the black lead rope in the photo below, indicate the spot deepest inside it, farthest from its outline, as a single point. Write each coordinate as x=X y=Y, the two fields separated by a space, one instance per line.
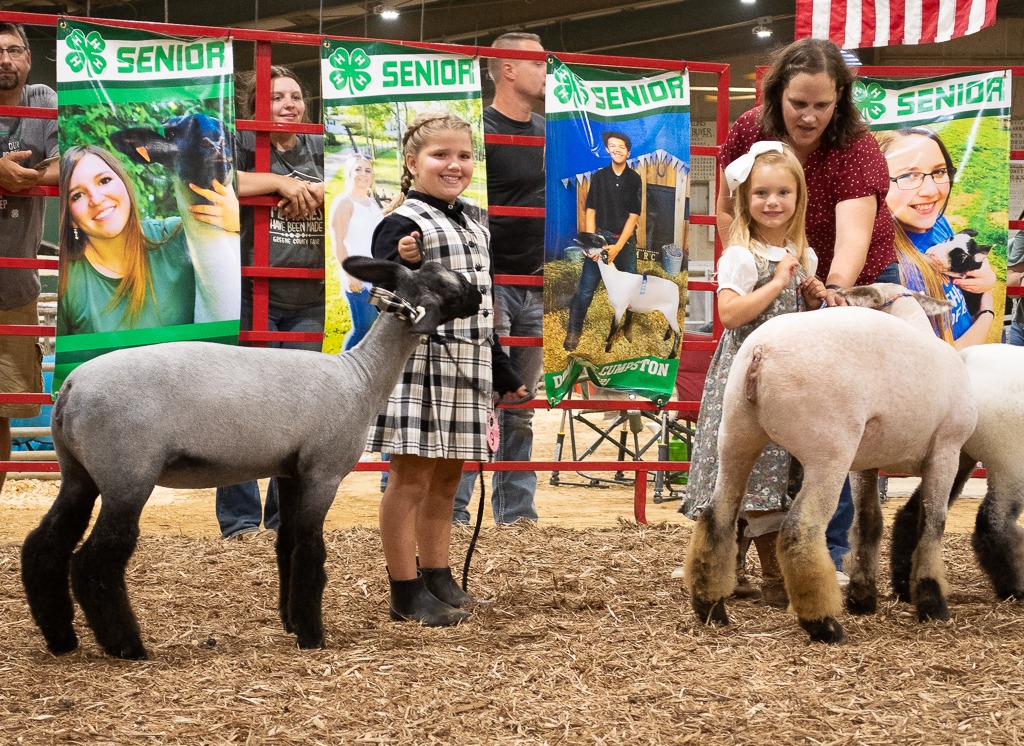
x=476 y=529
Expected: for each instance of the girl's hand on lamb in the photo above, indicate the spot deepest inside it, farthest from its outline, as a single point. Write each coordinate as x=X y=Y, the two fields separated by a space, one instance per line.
x=409 y=248
x=814 y=292
x=223 y=213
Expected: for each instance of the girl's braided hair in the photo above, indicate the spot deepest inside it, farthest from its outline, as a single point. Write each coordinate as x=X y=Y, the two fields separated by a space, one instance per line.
x=419 y=133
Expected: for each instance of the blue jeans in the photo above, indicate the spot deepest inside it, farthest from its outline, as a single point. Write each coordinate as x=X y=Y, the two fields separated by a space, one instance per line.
x=1015 y=334
x=238 y=505
x=363 y=315
x=239 y=510
x=309 y=319
x=890 y=274
x=590 y=279
x=519 y=312
x=837 y=534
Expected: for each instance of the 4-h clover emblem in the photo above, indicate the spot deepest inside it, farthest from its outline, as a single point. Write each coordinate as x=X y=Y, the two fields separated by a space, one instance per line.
x=87 y=54
x=569 y=88
x=351 y=69
x=868 y=99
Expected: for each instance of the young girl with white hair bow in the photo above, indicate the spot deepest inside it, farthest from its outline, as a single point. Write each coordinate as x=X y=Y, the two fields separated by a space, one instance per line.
x=767 y=269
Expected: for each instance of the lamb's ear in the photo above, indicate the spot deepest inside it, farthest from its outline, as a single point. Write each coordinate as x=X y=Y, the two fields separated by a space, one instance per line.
x=867 y=296
x=932 y=306
x=378 y=272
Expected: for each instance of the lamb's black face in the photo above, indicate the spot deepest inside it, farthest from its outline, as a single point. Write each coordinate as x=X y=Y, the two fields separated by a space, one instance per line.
x=457 y=298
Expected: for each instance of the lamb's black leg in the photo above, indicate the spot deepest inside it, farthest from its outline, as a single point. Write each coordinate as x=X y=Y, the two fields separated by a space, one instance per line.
x=611 y=334
x=287 y=490
x=998 y=539
x=627 y=326
x=97 y=576
x=308 y=579
x=906 y=530
x=46 y=554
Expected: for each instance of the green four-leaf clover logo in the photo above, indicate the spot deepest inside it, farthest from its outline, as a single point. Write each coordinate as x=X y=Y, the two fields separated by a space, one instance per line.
x=87 y=54
x=569 y=88
x=868 y=99
x=351 y=69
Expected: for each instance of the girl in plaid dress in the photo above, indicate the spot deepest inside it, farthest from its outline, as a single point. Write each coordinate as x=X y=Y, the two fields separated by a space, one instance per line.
x=767 y=270
x=436 y=417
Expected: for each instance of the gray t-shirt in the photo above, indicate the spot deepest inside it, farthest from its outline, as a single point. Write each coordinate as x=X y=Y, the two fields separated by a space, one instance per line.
x=1015 y=255
x=293 y=243
x=21 y=218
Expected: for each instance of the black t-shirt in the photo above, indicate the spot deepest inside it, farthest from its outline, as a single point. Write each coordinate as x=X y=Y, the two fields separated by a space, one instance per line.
x=614 y=198
x=515 y=178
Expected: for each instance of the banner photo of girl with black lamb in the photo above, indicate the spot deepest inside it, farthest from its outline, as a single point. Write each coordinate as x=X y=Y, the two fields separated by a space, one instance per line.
x=946 y=141
x=149 y=246
x=372 y=91
x=615 y=273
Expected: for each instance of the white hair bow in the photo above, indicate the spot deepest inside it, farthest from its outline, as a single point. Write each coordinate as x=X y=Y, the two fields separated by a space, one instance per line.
x=739 y=170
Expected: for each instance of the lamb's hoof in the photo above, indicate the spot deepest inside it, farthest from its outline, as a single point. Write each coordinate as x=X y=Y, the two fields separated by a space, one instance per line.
x=1010 y=595
x=711 y=612
x=129 y=651
x=312 y=642
x=608 y=347
x=826 y=630
x=861 y=600
x=572 y=341
x=931 y=606
x=62 y=643
x=901 y=590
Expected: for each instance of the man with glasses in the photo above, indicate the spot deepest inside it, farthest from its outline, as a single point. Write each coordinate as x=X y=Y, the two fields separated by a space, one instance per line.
x=24 y=146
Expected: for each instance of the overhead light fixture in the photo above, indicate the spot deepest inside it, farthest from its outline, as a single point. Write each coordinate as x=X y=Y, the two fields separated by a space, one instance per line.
x=763 y=29
x=386 y=12
x=748 y=2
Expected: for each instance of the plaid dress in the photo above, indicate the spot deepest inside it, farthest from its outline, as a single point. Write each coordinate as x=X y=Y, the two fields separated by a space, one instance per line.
x=439 y=407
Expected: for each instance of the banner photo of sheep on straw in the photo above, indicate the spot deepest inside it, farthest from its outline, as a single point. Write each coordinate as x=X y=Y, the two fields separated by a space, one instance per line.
x=615 y=274
x=149 y=242
x=371 y=92
x=946 y=141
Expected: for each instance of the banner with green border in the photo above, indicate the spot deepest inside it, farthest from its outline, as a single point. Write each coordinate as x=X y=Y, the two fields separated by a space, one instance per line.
x=150 y=249
x=646 y=121
x=946 y=141
x=372 y=91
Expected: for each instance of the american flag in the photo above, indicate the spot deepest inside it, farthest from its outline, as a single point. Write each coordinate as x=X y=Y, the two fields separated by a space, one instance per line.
x=880 y=23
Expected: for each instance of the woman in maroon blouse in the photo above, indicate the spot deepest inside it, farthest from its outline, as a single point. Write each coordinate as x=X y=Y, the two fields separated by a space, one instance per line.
x=808 y=103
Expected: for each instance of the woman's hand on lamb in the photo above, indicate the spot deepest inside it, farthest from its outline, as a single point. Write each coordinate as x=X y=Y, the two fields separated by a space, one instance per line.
x=814 y=292
x=520 y=395
x=409 y=248
x=223 y=210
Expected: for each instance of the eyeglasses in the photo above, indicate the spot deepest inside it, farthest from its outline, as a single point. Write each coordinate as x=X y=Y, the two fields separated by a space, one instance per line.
x=914 y=179
x=16 y=52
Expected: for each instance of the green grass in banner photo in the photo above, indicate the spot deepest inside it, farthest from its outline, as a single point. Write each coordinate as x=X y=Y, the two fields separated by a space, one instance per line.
x=93 y=124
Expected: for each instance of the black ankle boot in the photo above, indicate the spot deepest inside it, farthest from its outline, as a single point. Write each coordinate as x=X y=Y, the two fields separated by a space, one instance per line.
x=412 y=602
x=440 y=582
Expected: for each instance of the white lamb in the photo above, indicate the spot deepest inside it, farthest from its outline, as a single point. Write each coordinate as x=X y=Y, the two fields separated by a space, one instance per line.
x=629 y=292
x=842 y=389
x=997 y=383
x=196 y=414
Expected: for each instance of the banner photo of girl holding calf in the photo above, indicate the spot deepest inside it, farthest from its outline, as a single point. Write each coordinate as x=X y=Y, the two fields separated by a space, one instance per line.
x=372 y=91
x=149 y=247
x=618 y=163
x=946 y=141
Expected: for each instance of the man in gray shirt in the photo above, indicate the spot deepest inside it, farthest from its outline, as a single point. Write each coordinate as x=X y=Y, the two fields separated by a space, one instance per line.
x=24 y=144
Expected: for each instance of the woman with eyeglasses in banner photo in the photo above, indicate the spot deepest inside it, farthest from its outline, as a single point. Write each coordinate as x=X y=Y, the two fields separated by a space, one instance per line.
x=921 y=179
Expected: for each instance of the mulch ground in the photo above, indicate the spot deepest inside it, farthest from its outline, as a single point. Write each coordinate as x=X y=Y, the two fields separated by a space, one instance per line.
x=589 y=640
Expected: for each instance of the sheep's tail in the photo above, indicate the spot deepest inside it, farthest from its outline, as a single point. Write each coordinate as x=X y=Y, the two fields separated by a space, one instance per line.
x=754 y=373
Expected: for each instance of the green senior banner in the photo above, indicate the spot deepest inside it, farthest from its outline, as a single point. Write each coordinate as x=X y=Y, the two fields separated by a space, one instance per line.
x=946 y=141
x=372 y=91
x=149 y=247
x=617 y=196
